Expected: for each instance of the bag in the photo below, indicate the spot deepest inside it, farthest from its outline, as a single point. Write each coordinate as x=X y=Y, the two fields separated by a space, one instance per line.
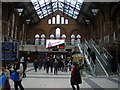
x=2 y=80
x=14 y=76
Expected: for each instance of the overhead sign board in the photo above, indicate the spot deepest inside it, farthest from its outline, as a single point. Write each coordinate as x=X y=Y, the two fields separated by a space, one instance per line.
x=9 y=51
x=54 y=42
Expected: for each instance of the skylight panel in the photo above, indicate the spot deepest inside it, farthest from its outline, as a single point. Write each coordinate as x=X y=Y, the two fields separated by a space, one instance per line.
x=70 y=7
x=73 y=2
x=54 y=0
x=47 y=0
x=41 y=2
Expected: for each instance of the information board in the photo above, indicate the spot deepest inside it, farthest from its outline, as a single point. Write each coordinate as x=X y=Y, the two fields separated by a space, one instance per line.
x=9 y=51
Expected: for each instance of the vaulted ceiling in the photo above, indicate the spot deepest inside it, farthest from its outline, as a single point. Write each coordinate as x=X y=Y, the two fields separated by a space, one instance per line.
x=34 y=11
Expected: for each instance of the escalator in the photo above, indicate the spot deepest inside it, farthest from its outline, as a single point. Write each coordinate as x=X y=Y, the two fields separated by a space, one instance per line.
x=90 y=68
x=102 y=58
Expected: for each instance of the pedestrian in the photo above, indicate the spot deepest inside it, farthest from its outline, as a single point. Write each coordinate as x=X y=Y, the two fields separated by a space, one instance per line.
x=47 y=64
x=36 y=65
x=4 y=75
x=18 y=68
x=24 y=67
x=55 y=67
x=75 y=76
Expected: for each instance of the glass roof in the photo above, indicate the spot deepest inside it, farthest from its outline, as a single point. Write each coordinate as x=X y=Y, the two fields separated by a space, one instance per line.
x=46 y=7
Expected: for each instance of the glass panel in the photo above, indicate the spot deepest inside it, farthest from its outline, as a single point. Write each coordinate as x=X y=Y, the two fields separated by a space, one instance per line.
x=68 y=5
x=62 y=20
x=53 y=20
x=43 y=36
x=66 y=21
x=58 y=19
x=63 y=36
x=51 y=36
x=58 y=32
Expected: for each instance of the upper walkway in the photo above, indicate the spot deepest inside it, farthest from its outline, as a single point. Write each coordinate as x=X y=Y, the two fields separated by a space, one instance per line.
x=43 y=80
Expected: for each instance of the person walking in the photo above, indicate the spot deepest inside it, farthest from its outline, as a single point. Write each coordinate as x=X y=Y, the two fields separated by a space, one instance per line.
x=18 y=68
x=47 y=64
x=36 y=65
x=75 y=76
x=56 y=67
x=24 y=68
x=4 y=77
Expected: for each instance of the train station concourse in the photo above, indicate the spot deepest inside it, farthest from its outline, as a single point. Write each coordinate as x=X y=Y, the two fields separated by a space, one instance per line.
x=59 y=44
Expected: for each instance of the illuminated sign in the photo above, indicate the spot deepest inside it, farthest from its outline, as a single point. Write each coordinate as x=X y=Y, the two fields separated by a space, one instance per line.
x=54 y=42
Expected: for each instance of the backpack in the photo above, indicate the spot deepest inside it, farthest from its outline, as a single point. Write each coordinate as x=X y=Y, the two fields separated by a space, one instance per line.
x=2 y=80
x=14 y=76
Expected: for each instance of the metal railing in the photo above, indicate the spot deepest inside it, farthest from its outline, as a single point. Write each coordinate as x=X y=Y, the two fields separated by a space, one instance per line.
x=110 y=38
x=100 y=58
x=90 y=63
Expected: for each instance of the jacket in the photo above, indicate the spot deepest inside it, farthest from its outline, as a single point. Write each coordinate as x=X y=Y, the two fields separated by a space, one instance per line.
x=75 y=76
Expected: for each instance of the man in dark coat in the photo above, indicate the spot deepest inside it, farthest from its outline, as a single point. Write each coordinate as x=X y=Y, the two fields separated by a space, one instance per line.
x=75 y=76
x=36 y=65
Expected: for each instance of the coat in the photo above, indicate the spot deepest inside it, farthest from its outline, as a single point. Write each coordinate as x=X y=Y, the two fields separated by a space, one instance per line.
x=75 y=76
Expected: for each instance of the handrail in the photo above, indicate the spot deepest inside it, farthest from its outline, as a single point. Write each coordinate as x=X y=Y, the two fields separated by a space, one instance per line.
x=98 y=56
x=89 y=62
x=103 y=49
x=108 y=53
x=102 y=66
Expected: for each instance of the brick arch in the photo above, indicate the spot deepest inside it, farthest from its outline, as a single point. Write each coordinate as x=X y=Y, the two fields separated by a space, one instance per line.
x=39 y=31
x=75 y=32
x=63 y=31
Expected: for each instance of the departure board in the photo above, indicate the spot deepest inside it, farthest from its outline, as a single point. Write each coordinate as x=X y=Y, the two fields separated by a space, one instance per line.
x=9 y=51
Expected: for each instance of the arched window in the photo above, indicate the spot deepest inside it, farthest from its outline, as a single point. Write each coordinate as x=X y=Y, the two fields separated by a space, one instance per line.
x=78 y=36
x=43 y=39
x=53 y=20
x=66 y=21
x=62 y=20
x=37 y=36
x=58 y=19
x=49 y=21
x=63 y=36
x=51 y=36
x=72 y=39
x=37 y=39
x=78 y=39
x=57 y=32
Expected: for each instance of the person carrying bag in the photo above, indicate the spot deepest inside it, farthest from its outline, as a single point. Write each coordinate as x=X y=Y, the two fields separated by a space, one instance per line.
x=17 y=75
x=4 y=79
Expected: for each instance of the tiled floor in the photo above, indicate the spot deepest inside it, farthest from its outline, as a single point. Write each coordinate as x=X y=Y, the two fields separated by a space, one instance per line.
x=41 y=79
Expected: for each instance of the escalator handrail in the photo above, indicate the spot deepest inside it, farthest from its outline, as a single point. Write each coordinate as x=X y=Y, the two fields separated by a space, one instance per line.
x=99 y=54
x=102 y=66
x=89 y=62
x=102 y=48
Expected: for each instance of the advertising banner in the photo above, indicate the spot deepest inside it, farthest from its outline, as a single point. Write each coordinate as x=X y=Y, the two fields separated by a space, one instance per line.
x=54 y=42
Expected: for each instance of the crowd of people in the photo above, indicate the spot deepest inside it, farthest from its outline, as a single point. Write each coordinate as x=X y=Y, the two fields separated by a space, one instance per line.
x=16 y=71
x=51 y=64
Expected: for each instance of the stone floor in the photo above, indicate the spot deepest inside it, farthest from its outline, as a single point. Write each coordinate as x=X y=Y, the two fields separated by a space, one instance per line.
x=43 y=80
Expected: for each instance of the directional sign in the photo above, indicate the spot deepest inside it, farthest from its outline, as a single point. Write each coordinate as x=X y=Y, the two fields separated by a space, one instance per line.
x=9 y=51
